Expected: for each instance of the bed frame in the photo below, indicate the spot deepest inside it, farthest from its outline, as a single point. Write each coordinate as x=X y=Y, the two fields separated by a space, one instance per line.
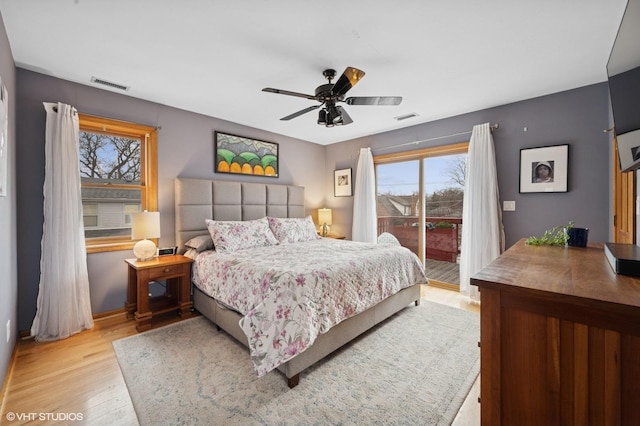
x=200 y=199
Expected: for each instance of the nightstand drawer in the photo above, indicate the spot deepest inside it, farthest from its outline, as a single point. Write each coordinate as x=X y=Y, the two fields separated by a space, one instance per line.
x=164 y=271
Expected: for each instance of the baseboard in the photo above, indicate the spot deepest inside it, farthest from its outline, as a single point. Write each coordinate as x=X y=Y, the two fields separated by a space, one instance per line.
x=7 y=377
x=111 y=313
x=26 y=334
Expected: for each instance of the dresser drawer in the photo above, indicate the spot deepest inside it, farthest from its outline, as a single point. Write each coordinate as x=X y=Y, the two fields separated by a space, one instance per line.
x=164 y=271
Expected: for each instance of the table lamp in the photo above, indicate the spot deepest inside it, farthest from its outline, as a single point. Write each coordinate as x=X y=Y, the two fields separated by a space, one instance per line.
x=145 y=225
x=324 y=218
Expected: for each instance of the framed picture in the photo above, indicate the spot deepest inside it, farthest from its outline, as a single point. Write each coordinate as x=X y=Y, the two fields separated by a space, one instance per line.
x=342 y=183
x=239 y=155
x=544 y=169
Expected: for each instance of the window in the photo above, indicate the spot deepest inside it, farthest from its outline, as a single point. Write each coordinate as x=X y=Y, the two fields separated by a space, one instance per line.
x=118 y=163
x=90 y=215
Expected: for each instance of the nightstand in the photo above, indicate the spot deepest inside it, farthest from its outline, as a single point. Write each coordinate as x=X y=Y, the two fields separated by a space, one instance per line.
x=176 y=270
x=335 y=236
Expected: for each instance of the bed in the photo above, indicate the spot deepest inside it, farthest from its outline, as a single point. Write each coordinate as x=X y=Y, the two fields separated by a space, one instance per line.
x=284 y=333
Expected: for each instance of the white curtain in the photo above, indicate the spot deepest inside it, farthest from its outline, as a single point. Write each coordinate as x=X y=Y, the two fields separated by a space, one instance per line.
x=64 y=307
x=482 y=230
x=365 y=220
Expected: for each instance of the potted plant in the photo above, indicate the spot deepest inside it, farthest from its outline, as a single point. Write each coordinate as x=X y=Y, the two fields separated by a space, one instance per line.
x=561 y=235
x=577 y=237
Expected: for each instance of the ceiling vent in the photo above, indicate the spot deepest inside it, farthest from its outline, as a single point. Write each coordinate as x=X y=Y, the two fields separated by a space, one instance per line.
x=110 y=84
x=404 y=117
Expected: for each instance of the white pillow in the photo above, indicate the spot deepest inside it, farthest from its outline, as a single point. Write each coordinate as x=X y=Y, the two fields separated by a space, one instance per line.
x=230 y=236
x=200 y=243
x=191 y=253
x=293 y=230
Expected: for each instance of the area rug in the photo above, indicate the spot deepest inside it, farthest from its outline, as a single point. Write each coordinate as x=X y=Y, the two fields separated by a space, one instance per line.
x=416 y=367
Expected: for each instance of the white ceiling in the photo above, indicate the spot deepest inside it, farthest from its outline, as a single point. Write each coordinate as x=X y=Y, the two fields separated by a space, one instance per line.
x=214 y=56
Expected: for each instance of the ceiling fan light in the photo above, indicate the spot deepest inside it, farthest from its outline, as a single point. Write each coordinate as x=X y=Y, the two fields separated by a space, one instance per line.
x=322 y=116
x=333 y=116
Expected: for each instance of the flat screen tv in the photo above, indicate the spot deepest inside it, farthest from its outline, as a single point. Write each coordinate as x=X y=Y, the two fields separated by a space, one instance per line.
x=623 y=70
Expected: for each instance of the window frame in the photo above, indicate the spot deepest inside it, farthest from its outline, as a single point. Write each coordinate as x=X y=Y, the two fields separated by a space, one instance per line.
x=148 y=173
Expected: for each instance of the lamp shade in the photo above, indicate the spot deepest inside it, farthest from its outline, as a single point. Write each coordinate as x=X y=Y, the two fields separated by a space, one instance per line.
x=324 y=216
x=145 y=225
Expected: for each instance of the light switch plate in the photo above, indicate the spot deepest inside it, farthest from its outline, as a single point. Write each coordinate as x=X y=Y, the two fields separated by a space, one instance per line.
x=509 y=206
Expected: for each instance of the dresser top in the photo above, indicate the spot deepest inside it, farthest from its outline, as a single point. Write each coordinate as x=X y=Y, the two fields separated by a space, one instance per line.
x=572 y=272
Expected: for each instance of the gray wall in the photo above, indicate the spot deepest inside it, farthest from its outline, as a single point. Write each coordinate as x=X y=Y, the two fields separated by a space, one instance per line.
x=8 y=268
x=576 y=117
x=185 y=149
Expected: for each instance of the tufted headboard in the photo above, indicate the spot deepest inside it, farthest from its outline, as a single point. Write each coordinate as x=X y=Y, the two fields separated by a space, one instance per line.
x=201 y=199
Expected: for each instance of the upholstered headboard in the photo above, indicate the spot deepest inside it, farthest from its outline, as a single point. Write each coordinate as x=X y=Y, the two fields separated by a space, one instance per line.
x=201 y=199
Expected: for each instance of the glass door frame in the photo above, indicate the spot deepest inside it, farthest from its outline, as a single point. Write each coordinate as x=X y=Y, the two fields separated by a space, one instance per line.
x=421 y=154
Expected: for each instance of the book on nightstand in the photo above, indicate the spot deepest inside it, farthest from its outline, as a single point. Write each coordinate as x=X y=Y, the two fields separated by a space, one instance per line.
x=623 y=258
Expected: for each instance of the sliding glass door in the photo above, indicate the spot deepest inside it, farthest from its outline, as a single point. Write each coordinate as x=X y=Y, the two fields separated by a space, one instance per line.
x=444 y=193
x=419 y=201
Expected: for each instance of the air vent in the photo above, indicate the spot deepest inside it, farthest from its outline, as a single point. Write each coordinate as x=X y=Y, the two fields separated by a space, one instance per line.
x=404 y=117
x=110 y=84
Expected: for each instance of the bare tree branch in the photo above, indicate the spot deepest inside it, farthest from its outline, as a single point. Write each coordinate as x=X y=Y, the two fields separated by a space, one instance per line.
x=457 y=169
x=109 y=157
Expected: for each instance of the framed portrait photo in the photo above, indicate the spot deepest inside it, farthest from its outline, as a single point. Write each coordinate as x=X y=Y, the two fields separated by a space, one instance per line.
x=342 y=183
x=544 y=169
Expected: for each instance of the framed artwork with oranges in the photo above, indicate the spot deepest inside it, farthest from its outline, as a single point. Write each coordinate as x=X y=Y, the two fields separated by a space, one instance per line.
x=244 y=156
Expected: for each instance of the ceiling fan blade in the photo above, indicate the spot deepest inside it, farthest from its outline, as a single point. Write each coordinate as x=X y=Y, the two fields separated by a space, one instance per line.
x=349 y=78
x=346 y=118
x=299 y=113
x=289 y=93
x=374 y=100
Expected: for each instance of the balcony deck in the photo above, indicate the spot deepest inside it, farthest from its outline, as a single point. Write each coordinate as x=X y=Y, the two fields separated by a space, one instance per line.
x=439 y=270
x=442 y=245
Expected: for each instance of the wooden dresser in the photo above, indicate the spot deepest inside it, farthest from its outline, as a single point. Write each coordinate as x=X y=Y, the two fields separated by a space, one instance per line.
x=560 y=339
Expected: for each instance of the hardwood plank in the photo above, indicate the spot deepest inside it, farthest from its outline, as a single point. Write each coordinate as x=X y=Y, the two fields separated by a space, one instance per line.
x=76 y=375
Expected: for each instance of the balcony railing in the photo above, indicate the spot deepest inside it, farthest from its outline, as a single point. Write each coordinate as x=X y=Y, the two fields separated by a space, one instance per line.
x=442 y=234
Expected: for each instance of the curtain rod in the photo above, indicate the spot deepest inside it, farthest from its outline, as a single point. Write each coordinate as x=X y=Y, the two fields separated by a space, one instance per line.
x=492 y=127
x=75 y=111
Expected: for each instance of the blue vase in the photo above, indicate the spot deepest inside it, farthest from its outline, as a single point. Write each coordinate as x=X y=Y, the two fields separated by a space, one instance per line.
x=578 y=237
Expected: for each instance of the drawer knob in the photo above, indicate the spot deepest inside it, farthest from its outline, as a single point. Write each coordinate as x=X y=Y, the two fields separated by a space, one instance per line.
x=167 y=269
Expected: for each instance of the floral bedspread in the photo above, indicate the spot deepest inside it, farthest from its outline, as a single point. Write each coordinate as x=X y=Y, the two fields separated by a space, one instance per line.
x=291 y=293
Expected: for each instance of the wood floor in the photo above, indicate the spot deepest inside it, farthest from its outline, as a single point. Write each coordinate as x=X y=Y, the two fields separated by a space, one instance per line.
x=80 y=376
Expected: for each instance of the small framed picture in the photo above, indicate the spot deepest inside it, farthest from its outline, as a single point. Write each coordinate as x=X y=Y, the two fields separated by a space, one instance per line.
x=544 y=169
x=342 y=183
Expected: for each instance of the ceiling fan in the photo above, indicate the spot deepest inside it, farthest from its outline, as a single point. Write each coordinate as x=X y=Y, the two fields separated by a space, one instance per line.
x=329 y=94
